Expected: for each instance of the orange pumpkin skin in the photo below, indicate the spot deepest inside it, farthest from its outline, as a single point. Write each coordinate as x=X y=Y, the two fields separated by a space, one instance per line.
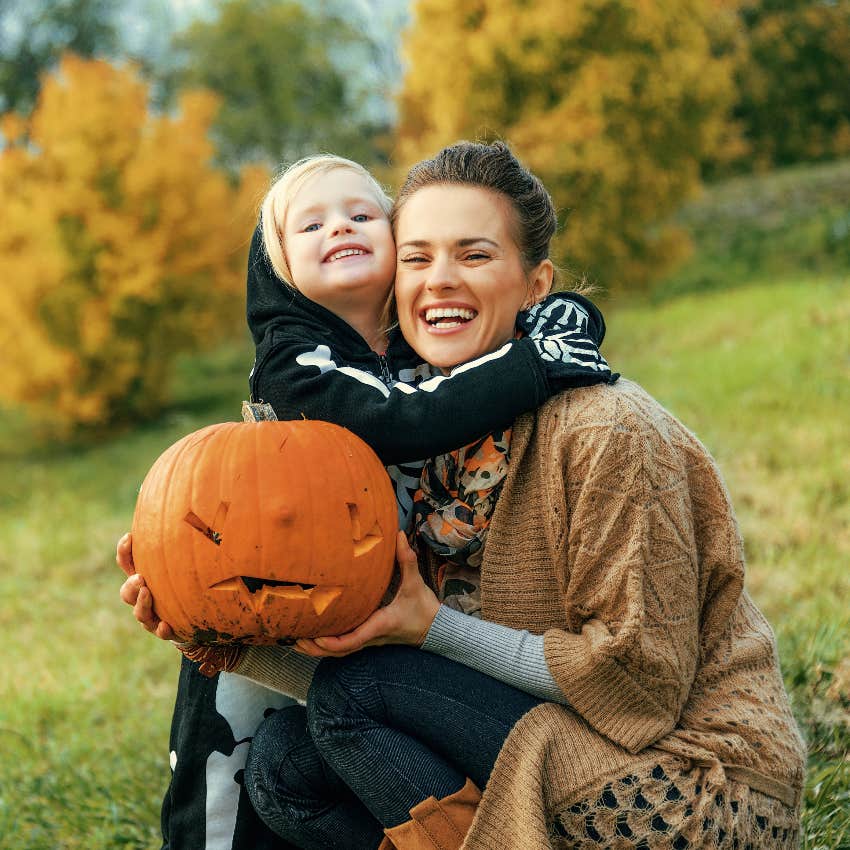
x=265 y=531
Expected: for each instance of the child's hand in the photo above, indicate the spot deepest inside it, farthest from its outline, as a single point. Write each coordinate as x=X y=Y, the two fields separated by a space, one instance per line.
x=405 y=620
x=134 y=592
x=567 y=330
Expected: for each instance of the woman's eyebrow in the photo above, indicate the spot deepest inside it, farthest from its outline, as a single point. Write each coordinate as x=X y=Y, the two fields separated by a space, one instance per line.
x=460 y=243
x=474 y=240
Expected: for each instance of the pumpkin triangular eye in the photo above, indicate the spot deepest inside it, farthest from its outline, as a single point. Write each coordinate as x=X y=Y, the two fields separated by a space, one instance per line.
x=369 y=542
x=209 y=530
x=363 y=543
x=199 y=525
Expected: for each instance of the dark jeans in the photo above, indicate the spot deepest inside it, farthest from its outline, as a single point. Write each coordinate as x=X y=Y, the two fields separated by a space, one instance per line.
x=383 y=730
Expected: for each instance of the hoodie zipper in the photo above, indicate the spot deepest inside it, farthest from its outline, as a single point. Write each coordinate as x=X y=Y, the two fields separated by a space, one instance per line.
x=386 y=375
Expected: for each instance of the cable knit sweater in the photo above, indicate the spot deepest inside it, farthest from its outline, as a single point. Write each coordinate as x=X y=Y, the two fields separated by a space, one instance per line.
x=615 y=538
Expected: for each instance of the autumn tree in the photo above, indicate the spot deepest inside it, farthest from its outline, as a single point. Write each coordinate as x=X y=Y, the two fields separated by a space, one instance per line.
x=34 y=35
x=283 y=94
x=120 y=246
x=613 y=103
x=793 y=81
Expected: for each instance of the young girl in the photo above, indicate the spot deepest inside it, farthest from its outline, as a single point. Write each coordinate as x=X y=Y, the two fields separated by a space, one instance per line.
x=320 y=272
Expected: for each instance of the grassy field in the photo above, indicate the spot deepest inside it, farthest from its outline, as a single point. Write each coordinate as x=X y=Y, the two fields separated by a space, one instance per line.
x=761 y=373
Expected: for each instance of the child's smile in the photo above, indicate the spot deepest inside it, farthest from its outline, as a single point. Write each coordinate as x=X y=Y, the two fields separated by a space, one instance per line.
x=339 y=244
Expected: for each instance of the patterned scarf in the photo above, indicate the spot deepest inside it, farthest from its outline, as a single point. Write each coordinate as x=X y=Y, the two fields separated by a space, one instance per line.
x=452 y=510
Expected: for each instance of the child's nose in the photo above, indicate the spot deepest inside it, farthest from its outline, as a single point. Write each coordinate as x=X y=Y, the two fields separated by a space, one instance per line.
x=341 y=225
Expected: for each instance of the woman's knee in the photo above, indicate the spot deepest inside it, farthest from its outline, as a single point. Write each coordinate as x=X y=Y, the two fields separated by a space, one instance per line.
x=344 y=695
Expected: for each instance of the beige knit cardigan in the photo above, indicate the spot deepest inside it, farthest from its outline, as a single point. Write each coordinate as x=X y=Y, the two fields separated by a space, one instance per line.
x=614 y=536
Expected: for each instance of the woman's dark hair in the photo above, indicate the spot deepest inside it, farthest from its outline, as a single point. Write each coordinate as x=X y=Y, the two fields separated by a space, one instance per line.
x=491 y=166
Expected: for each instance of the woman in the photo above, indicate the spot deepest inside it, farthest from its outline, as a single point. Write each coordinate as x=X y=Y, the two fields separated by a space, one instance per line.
x=604 y=545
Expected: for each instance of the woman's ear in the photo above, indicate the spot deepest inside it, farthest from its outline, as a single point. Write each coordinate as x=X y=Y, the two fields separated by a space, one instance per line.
x=539 y=282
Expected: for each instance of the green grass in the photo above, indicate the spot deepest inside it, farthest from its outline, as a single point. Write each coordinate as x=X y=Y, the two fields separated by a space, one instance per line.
x=761 y=373
x=767 y=226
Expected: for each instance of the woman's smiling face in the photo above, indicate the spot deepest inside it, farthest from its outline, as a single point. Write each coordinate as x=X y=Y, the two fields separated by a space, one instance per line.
x=460 y=280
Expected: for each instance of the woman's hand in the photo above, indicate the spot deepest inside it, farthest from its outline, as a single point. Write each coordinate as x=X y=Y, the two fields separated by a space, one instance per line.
x=405 y=620
x=134 y=592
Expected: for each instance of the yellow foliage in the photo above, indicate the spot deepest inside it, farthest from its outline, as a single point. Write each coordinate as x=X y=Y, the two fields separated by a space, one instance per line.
x=613 y=103
x=120 y=246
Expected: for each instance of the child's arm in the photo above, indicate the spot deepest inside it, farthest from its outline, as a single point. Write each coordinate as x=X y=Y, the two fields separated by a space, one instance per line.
x=302 y=379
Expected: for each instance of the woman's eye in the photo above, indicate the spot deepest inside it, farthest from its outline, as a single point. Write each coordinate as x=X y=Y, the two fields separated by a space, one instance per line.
x=477 y=255
x=310 y=228
x=413 y=259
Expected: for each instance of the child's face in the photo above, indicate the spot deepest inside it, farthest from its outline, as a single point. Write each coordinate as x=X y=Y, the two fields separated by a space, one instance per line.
x=338 y=242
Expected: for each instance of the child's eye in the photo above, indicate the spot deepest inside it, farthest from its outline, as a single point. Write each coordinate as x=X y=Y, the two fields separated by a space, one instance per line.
x=310 y=228
x=415 y=258
x=360 y=217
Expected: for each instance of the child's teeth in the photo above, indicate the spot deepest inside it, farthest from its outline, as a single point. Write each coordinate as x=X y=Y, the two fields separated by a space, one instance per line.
x=347 y=252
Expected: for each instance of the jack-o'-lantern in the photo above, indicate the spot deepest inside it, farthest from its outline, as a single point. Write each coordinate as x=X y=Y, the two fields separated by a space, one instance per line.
x=265 y=531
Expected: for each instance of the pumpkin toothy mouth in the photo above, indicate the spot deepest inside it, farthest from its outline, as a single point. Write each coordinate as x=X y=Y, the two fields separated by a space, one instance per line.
x=255 y=584
x=261 y=591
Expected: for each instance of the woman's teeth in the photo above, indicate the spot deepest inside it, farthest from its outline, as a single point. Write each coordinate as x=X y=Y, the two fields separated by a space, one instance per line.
x=346 y=252
x=448 y=317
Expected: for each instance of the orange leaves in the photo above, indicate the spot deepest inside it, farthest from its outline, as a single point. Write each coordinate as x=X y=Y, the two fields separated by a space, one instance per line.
x=121 y=245
x=613 y=103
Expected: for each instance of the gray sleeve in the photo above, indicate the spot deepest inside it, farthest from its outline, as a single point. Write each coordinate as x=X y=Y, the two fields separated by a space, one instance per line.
x=509 y=655
x=280 y=668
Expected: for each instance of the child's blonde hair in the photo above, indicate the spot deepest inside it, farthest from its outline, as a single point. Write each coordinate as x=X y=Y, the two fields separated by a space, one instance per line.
x=283 y=190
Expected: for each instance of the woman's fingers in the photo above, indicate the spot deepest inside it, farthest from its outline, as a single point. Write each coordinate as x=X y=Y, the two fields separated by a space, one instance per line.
x=124 y=554
x=143 y=610
x=165 y=632
x=308 y=646
x=130 y=589
x=135 y=593
x=404 y=555
x=375 y=630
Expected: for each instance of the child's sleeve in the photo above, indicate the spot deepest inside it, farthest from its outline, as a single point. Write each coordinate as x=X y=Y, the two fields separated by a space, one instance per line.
x=301 y=379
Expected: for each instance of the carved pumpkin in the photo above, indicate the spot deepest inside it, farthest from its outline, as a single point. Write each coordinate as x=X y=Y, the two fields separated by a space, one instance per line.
x=263 y=531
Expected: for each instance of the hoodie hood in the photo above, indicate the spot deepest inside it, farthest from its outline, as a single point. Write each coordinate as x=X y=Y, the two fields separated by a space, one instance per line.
x=275 y=305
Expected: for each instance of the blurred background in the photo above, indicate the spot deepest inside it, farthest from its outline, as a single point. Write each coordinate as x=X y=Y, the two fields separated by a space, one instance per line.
x=699 y=155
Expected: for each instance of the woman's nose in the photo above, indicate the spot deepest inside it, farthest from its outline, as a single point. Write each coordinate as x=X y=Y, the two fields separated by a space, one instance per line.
x=442 y=275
